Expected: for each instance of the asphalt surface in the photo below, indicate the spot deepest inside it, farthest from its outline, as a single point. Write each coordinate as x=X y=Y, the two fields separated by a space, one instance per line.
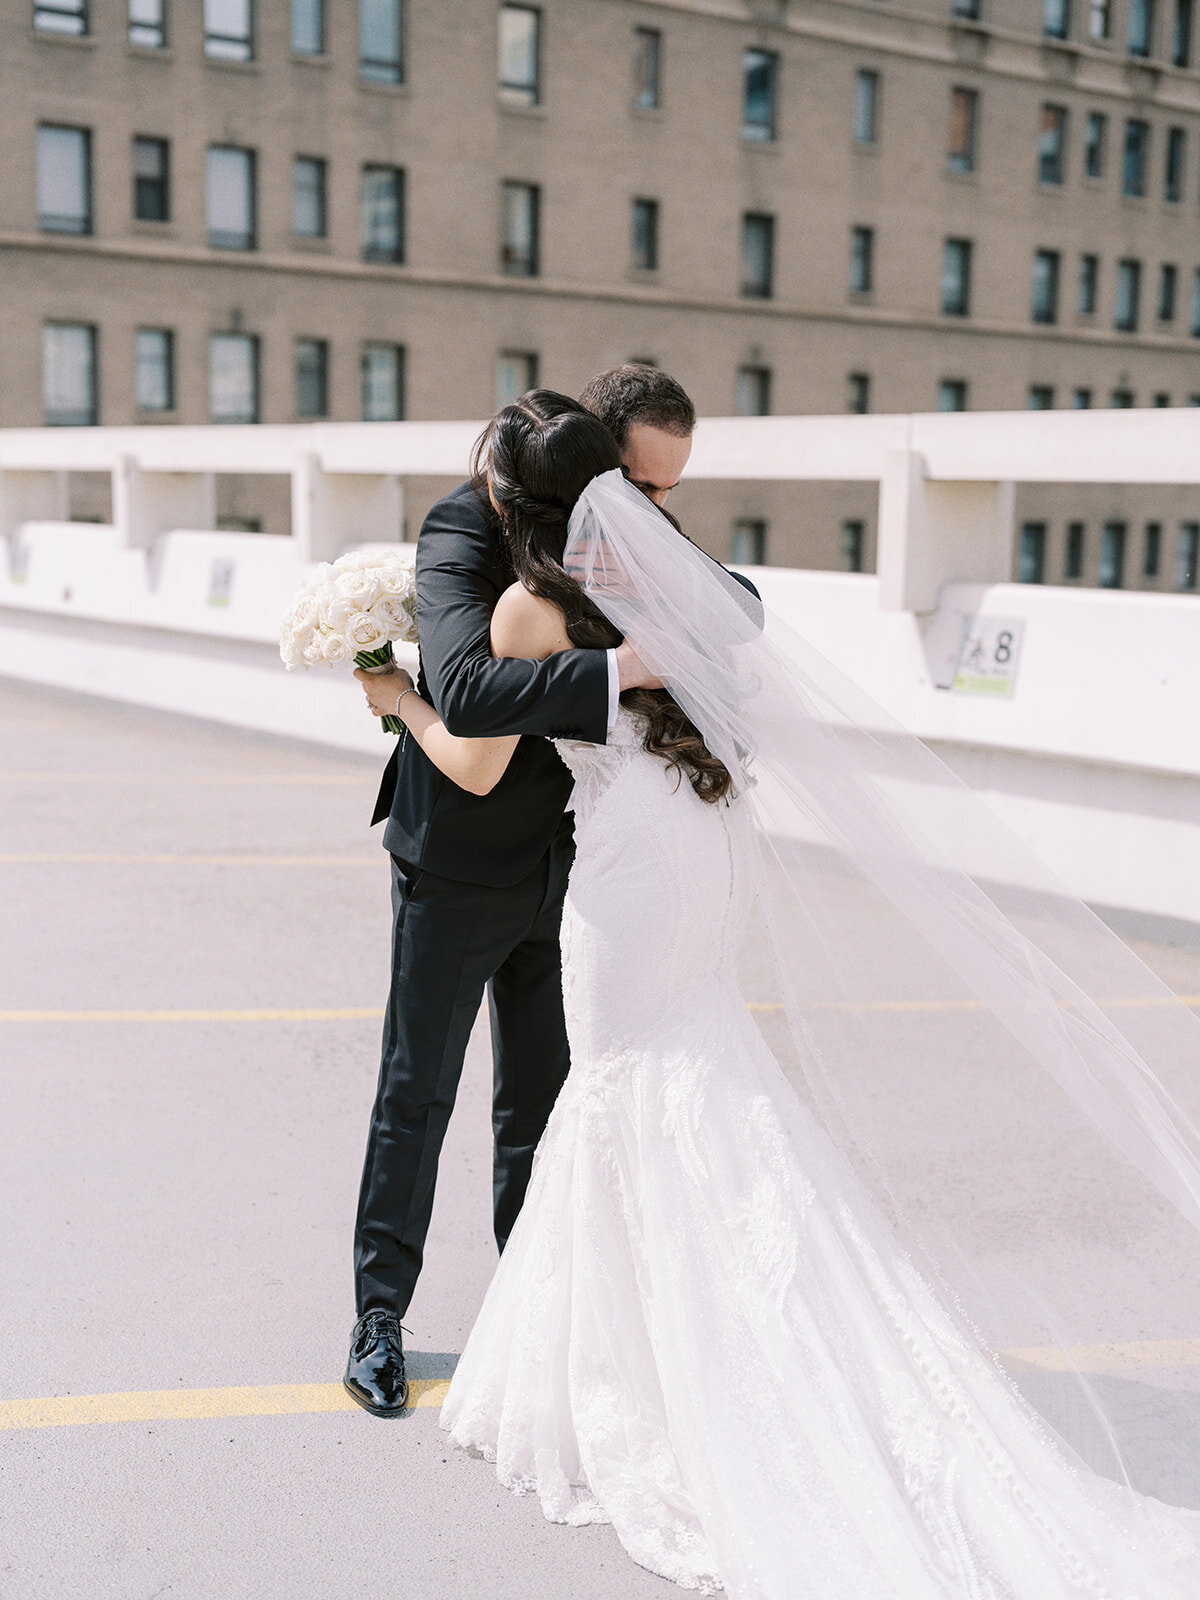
x=178 y=1181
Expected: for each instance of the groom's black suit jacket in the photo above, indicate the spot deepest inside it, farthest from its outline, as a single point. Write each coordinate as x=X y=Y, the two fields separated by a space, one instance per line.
x=497 y=838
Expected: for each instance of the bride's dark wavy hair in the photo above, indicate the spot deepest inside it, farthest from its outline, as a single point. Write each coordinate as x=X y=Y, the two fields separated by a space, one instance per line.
x=538 y=455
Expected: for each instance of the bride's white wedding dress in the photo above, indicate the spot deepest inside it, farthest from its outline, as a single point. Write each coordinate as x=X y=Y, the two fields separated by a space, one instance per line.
x=699 y=1330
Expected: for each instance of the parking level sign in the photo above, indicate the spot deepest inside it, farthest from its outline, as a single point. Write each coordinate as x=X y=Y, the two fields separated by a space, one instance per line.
x=988 y=653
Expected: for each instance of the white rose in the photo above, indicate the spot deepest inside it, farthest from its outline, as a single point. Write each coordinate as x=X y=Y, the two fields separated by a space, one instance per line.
x=289 y=650
x=304 y=613
x=334 y=648
x=311 y=649
x=364 y=632
x=336 y=614
x=392 y=613
x=361 y=587
x=399 y=579
x=352 y=561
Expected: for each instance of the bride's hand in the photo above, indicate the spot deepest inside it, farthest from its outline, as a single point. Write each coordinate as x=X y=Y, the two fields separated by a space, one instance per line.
x=383 y=689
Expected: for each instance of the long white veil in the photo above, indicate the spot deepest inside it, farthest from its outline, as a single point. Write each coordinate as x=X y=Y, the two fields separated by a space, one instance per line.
x=1017 y=1089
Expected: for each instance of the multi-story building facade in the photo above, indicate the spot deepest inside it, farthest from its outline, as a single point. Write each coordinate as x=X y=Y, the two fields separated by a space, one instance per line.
x=241 y=210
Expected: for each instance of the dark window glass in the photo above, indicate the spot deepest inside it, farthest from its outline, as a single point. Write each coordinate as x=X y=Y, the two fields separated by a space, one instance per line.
x=520 y=229
x=148 y=24
x=752 y=397
x=233 y=377
x=1100 y=20
x=61 y=16
x=516 y=374
x=1137 y=148
x=1056 y=18
x=381 y=40
x=866 y=106
x=862 y=260
x=1161 y=399
x=1081 y=400
x=760 y=73
x=748 y=547
x=154 y=369
x=970 y=9
x=520 y=55
x=1073 y=555
x=1173 y=171
x=151 y=180
x=383 y=382
x=956 y=277
x=382 y=214
x=64 y=180
x=1141 y=27
x=1181 y=34
x=1031 y=553
x=231 y=197
x=69 y=388
x=645 y=234
x=1121 y=399
x=1187 y=556
x=1152 y=550
x=1095 y=141
x=647 y=68
x=853 y=540
x=1052 y=144
x=1111 y=573
x=1168 y=284
x=1129 y=285
x=308 y=27
x=952 y=394
x=229 y=30
x=1089 y=284
x=1045 y=285
x=1194 y=328
x=308 y=197
x=758 y=255
x=858 y=393
x=1041 y=397
x=312 y=377
x=960 y=149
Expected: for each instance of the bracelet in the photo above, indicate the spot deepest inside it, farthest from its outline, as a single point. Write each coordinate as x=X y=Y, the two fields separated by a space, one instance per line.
x=400 y=697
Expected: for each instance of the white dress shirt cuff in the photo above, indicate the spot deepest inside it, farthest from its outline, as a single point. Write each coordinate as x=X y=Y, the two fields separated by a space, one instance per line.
x=614 y=688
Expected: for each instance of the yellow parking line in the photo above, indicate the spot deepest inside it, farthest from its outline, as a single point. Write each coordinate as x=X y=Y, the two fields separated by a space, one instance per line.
x=35 y=858
x=179 y=1405
x=963 y=1005
x=1126 y=1357
x=306 y=1014
x=304 y=778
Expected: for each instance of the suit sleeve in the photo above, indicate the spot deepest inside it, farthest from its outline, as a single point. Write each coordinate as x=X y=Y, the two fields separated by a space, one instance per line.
x=476 y=695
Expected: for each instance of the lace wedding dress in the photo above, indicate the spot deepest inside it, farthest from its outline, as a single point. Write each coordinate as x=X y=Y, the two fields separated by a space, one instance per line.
x=699 y=1331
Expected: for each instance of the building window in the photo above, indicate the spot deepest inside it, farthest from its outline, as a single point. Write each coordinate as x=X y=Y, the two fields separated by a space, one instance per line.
x=1173 y=170
x=1141 y=27
x=969 y=9
x=960 y=150
x=1168 y=282
x=1111 y=572
x=151 y=180
x=758 y=255
x=1129 y=286
x=1161 y=399
x=381 y=40
x=1152 y=550
x=1045 y=285
x=154 y=369
x=516 y=374
x=520 y=229
x=1095 y=142
x=1052 y=144
x=1073 y=555
x=858 y=393
x=1031 y=553
x=1194 y=329
x=1041 y=397
x=229 y=30
x=645 y=235
x=308 y=27
x=647 y=68
x=1081 y=399
x=852 y=544
x=148 y=24
x=308 y=197
x=61 y=16
x=382 y=214
x=866 y=106
x=382 y=382
x=312 y=377
x=1056 y=18
x=1187 y=556
x=69 y=388
x=1100 y=20
x=64 y=179
x=760 y=73
x=752 y=392
x=952 y=394
x=1137 y=149
x=1181 y=34
x=956 y=277
x=748 y=548
x=520 y=55
x=233 y=377
x=231 y=198
x=1089 y=285
x=1121 y=400
x=862 y=260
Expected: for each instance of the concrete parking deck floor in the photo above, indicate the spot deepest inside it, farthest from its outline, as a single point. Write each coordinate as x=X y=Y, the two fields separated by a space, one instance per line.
x=195 y=936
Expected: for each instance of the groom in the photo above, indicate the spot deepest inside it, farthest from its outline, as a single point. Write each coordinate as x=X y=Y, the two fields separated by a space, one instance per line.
x=478 y=881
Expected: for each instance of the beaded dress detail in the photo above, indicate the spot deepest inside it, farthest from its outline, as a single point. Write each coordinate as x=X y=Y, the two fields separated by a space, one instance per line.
x=694 y=1333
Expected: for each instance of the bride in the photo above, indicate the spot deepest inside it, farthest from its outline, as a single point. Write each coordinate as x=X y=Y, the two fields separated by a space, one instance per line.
x=735 y=1320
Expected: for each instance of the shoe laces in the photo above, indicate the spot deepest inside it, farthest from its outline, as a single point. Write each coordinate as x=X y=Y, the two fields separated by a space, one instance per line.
x=374 y=1326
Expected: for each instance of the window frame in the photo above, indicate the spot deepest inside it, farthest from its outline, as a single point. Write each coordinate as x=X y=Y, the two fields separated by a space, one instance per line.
x=167 y=335
x=318 y=375
x=1135 y=158
x=389 y=70
x=1047 y=280
x=1167 y=299
x=644 y=234
x=1056 y=19
x=226 y=47
x=1127 y=295
x=1139 y=35
x=525 y=92
x=964 y=160
x=1052 y=159
x=1031 y=552
x=529 y=363
x=764 y=130
x=321 y=166
x=861 y=280
x=386 y=254
x=1074 y=551
x=513 y=262
x=87 y=416
x=956 y=389
x=1095 y=145
x=1174 y=164
x=143 y=184
x=647 y=69
x=748 y=542
x=63 y=222
x=866 y=106
x=253 y=346
x=752 y=385
x=317 y=12
x=1088 y=296
x=1110 y=573
x=227 y=238
x=134 y=26
x=956 y=284
x=858 y=394
x=760 y=224
x=67 y=11
x=398 y=356
x=1182 y=28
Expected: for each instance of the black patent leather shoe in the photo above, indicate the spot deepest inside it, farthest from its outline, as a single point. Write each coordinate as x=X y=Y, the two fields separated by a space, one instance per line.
x=375 y=1371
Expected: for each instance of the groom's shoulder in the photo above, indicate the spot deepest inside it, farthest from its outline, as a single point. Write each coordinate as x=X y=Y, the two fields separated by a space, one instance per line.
x=462 y=512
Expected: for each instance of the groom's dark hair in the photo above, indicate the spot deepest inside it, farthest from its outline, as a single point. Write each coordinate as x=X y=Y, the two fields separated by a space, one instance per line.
x=639 y=393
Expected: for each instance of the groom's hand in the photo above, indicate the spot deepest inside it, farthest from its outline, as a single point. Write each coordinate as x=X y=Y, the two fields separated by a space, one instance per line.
x=632 y=671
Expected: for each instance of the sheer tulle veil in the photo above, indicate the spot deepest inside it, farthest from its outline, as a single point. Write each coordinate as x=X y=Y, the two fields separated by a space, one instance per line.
x=1017 y=1089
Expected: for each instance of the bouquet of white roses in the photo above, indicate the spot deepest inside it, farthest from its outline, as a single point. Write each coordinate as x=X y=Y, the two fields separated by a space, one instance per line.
x=353 y=609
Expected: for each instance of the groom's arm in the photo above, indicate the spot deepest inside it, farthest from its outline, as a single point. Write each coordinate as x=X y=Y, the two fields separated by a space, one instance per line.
x=476 y=695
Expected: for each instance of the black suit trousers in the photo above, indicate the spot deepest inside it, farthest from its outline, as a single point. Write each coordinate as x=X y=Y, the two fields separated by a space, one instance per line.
x=452 y=940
